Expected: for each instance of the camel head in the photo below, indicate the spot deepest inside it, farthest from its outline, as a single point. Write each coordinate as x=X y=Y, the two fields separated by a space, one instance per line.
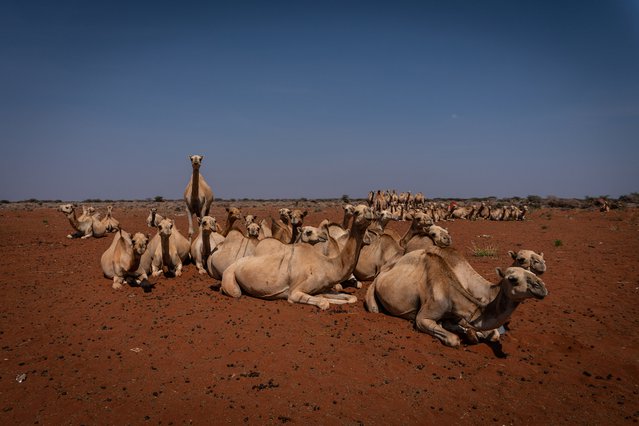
x=297 y=217
x=196 y=161
x=139 y=242
x=519 y=284
x=349 y=209
x=66 y=208
x=439 y=235
x=529 y=260
x=249 y=218
x=363 y=215
x=253 y=230
x=233 y=214
x=207 y=224
x=285 y=215
x=153 y=219
x=88 y=210
x=165 y=228
x=385 y=216
x=421 y=220
x=312 y=235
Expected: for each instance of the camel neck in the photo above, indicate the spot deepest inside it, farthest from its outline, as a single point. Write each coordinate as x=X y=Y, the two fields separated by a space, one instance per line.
x=206 y=244
x=348 y=257
x=166 y=255
x=73 y=219
x=294 y=233
x=496 y=313
x=345 y=221
x=195 y=186
x=410 y=233
x=229 y=224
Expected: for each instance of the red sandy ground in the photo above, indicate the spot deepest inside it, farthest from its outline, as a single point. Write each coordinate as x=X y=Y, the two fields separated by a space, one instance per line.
x=185 y=353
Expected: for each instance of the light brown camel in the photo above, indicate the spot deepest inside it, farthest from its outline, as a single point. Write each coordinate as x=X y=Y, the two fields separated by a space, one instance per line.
x=299 y=273
x=235 y=246
x=233 y=214
x=424 y=287
x=385 y=249
x=171 y=249
x=198 y=194
x=86 y=228
x=153 y=219
x=287 y=228
x=431 y=236
x=497 y=213
x=529 y=260
x=462 y=212
x=205 y=242
x=111 y=223
x=121 y=260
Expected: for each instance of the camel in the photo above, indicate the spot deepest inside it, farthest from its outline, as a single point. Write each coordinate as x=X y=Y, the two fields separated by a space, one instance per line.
x=205 y=242
x=483 y=212
x=287 y=228
x=171 y=249
x=522 y=213
x=87 y=212
x=233 y=214
x=497 y=213
x=386 y=249
x=425 y=287
x=379 y=201
x=198 y=194
x=419 y=200
x=86 y=228
x=235 y=246
x=462 y=212
x=111 y=223
x=431 y=236
x=153 y=219
x=122 y=259
x=299 y=272
x=529 y=260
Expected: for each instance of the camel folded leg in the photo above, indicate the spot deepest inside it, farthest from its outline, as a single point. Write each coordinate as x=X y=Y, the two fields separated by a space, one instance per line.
x=426 y=321
x=300 y=297
x=117 y=282
x=229 y=285
x=338 y=298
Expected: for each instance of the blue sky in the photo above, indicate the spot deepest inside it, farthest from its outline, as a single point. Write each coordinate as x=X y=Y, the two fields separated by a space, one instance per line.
x=319 y=99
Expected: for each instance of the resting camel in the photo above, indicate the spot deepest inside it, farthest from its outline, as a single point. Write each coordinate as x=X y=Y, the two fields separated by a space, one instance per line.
x=153 y=219
x=235 y=246
x=425 y=287
x=529 y=260
x=431 y=236
x=287 y=228
x=122 y=259
x=171 y=249
x=299 y=272
x=497 y=213
x=233 y=214
x=205 y=242
x=386 y=249
x=88 y=227
x=462 y=212
x=198 y=194
x=110 y=222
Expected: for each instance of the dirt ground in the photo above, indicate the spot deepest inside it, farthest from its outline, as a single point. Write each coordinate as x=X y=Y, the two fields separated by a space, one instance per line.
x=185 y=353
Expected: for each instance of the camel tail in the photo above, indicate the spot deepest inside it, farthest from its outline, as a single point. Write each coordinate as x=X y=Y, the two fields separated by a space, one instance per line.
x=371 y=303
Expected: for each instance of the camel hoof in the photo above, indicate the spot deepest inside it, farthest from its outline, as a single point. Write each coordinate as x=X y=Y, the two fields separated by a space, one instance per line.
x=156 y=274
x=324 y=304
x=202 y=271
x=338 y=287
x=116 y=286
x=359 y=284
x=453 y=341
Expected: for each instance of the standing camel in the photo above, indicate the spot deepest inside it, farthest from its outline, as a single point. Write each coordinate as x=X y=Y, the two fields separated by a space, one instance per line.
x=198 y=194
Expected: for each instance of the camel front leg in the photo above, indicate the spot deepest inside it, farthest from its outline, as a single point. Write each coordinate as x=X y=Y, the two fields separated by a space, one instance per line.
x=156 y=269
x=178 y=269
x=117 y=282
x=426 y=321
x=338 y=298
x=189 y=214
x=297 y=296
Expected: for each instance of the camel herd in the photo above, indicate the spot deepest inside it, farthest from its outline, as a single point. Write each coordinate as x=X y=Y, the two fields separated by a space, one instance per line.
x=404 y=205
x=418 y=276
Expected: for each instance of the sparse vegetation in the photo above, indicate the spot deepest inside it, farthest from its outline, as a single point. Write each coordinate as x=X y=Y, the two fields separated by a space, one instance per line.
x=558 y=243
x=488 y=250
x=158 y=199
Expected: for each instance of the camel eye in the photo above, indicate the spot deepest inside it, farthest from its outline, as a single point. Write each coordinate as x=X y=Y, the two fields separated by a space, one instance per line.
x=521 y=260
x=513 y=280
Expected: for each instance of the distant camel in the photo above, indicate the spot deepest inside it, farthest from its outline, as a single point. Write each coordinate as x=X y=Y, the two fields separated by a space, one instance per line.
x=88 y=227
x=198 y=194
x=205 y=242
x=110 y=222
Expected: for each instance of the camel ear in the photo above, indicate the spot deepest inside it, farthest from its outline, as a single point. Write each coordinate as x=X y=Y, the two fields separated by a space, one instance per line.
x=500 y=273
x=305 y=213
x=199 y=221
x=541 y=254
x=512 y=254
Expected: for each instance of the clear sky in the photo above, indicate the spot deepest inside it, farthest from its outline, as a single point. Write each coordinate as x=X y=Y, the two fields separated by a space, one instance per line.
x=317 y=99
